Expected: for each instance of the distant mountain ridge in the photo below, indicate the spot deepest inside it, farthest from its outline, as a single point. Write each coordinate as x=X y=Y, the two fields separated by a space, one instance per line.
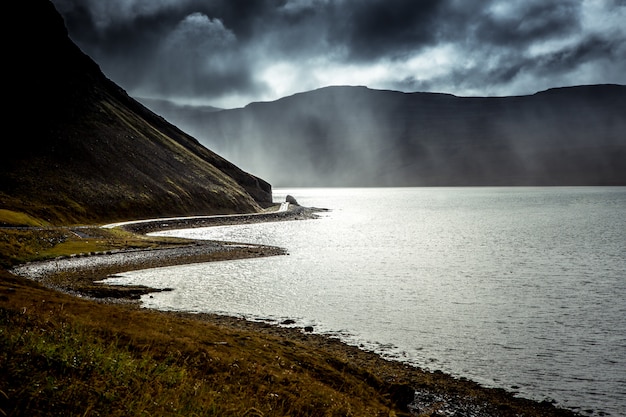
x=160 y=106
x=82 y=150
x=356 y=136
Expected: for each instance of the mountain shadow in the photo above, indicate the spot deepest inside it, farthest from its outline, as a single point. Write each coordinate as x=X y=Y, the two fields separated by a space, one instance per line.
x=80 y=149
x=355 y=136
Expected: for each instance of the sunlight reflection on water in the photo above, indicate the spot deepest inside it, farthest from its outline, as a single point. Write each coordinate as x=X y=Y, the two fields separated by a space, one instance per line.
x=509 y=287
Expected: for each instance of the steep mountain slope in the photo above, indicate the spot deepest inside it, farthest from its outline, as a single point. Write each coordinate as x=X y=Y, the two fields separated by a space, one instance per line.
x=355 y=136
x=81 y=149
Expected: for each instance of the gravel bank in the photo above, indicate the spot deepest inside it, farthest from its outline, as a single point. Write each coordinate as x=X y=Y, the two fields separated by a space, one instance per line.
x=149 y=226
x=80 y=273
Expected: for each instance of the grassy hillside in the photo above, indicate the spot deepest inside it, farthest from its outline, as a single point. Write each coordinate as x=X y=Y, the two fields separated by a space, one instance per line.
x=81 y=150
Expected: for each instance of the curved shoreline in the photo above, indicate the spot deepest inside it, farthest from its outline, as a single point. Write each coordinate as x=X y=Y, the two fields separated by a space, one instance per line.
x=154 y=225
x=80 y=273
x=422 y=392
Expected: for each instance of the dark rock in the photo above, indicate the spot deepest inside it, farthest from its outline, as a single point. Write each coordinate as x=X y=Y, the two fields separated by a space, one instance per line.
x=291 y=200
x=402 y=395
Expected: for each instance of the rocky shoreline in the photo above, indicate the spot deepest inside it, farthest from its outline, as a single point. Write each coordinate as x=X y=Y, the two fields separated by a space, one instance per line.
x=422 y=392
x=80 y=273
x=295 y=212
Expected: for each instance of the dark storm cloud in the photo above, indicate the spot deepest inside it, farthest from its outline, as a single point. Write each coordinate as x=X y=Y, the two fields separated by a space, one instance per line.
x=522 y=23
x=230 y=52
x=522 y=47
x=589 y=50
x=372 y=29
x=167 y=47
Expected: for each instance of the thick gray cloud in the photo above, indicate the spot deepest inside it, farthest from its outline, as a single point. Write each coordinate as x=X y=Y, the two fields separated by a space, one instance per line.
x=375 y=29
x=231 y=52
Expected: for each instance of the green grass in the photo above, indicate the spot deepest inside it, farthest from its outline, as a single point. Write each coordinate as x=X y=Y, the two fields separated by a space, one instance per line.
x=108 y=376
x=14 y=218
x=18 y=246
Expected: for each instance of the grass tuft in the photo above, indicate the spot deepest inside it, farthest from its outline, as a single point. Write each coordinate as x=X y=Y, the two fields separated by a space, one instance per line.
x=14 y=218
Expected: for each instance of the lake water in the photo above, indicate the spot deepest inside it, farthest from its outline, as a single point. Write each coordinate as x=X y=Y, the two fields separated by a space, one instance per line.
x=518 y=288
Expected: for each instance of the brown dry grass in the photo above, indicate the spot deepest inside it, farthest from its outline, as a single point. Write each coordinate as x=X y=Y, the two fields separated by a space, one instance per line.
x=65 y=356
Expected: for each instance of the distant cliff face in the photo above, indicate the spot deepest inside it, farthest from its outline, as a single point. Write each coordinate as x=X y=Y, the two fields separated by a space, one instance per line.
x=354 y=136
x=82 y=150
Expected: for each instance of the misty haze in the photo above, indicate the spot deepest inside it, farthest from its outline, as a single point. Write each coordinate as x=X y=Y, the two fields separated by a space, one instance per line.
x=354 y=136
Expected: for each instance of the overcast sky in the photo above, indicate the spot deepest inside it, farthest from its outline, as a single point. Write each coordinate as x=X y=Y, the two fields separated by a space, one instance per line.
x=228 y=53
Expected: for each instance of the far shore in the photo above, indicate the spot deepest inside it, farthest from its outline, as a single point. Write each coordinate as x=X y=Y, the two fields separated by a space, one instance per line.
x=425 y=391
